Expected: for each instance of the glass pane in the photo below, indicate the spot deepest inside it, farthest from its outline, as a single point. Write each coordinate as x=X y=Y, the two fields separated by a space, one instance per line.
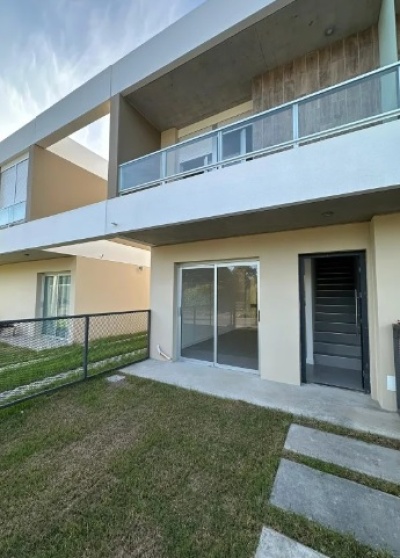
x=237 y=142
x=192 y=155
x=4 y=217
x=197 y=332
x=21 y=189
x=7 y=187
x=272 y=129
x=18 y=212
x=140 y=172
x=237 y=316
x=351 y=103
x=57 y=289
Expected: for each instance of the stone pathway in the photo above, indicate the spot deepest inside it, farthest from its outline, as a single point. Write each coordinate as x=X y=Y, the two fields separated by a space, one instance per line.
x=371 y=516
x=375 y=461
x=275 y=545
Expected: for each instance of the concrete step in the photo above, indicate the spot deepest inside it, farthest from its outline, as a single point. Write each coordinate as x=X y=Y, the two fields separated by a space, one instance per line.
x=369 y=459
x=370 y=516
x=274 y=545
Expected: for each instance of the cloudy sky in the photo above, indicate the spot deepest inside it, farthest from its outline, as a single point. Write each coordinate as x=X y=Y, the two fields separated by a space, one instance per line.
x=50 y=47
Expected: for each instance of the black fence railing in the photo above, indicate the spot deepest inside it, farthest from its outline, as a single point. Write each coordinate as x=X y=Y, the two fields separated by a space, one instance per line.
x=41 y=355
x=396 y=347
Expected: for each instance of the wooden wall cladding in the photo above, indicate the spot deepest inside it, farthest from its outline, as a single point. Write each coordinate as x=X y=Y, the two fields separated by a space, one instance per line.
x=342 y=60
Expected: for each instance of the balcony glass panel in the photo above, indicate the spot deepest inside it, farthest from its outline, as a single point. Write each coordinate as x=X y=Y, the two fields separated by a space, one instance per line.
x=141 y=171
x=354 y=102
x=191 y=156
x=349 y=105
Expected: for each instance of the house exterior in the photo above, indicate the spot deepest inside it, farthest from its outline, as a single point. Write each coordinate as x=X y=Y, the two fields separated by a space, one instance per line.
x=60 y=281
x=256 y=152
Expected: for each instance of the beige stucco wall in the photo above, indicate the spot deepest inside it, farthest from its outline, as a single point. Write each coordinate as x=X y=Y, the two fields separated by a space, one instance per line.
x=19 y=286
x=97 y=286
x=104 y=286
x=239 y=112
x=385 y=235
x=57 y=185
x=278 y=254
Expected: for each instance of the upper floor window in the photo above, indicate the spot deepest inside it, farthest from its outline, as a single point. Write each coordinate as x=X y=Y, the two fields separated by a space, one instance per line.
x=13 y=193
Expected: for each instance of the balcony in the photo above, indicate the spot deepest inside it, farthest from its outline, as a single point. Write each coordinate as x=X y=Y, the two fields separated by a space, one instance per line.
x=12 y=214
x=358 y=103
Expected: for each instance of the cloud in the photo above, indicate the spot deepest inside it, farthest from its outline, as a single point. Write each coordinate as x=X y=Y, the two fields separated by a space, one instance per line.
x=74 y=41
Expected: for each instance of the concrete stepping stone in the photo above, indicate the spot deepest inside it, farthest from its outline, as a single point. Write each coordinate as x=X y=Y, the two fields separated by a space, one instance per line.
x=275 y=545
x=372 y=460
x=370 y=516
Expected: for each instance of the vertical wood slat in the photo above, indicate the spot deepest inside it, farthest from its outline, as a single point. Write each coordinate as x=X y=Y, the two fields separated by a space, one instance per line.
x=319 y=69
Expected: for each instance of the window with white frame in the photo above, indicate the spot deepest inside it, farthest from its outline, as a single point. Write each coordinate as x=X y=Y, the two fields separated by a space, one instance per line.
x=13 y=192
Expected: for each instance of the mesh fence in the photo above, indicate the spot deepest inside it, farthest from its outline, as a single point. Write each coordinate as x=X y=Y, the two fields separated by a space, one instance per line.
x=396 y=346
x=43 y=354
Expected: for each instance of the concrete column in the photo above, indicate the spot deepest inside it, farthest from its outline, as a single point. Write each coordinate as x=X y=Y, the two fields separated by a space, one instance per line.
x=385 y=310
x=388 y=53
x=131 y=137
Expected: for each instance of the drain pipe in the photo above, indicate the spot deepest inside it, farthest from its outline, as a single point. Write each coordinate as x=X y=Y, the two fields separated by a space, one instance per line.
x=161 y=353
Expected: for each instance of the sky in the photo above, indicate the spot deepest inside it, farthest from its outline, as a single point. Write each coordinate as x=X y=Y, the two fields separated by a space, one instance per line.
x=48 y=48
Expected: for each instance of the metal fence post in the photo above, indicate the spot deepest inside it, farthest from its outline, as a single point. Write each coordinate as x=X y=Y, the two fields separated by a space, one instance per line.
x=86 y=347
x=148 y=332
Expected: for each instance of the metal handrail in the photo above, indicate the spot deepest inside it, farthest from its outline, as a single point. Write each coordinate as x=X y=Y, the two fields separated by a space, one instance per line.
x=259 y=116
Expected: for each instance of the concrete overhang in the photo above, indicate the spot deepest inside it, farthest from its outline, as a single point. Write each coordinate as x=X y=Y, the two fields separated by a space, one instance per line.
x=347 y=178
x=221 y=77
x=335 y=211
x=28 y=256
x=187 y=63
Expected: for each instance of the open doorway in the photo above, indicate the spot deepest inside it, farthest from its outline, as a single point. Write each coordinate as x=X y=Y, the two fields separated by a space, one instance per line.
x=334 y=320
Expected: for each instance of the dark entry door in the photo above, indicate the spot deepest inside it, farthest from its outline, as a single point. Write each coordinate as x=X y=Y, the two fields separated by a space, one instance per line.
x=339 y=343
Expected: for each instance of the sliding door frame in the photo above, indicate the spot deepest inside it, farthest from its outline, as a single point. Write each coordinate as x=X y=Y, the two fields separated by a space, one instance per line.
x=215 y=265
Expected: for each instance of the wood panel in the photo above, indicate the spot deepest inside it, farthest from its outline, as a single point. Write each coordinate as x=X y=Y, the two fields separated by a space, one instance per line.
x=342 y=60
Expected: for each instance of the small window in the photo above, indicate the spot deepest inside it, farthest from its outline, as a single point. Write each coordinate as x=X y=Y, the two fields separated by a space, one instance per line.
x=197 y=163
x=237 y=142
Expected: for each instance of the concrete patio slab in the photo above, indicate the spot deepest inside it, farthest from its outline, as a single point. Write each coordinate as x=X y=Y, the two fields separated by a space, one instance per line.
x=275 y=545
x=369 y=459
x=344 y=408
x=370 y=516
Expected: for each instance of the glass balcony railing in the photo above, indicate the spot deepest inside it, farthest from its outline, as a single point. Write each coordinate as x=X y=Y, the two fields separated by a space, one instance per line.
x=362 y=101
x=12 y=214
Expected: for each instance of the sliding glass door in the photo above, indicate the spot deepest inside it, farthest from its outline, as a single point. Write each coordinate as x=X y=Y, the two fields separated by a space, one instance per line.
x=219 y=314
x=56 y=303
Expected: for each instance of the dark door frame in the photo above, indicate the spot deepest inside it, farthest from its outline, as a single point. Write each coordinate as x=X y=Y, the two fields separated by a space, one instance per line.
x=363 y=301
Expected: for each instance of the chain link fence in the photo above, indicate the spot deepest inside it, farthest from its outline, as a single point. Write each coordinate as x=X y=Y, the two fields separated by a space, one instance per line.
x=40 y=355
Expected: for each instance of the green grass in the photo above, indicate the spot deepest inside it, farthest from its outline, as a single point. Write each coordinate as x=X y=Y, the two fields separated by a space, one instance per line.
x=38 y=365
x=141 y=469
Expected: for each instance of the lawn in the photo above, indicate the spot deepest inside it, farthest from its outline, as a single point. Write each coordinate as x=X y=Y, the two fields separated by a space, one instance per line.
x=20 y=367
x=141 y=469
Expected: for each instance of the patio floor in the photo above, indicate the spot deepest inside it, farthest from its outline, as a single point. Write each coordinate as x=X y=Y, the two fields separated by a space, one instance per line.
x=344 y=408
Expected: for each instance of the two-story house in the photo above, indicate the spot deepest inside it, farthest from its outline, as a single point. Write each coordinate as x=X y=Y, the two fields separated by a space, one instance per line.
x=86 y=278
x=255 y=148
